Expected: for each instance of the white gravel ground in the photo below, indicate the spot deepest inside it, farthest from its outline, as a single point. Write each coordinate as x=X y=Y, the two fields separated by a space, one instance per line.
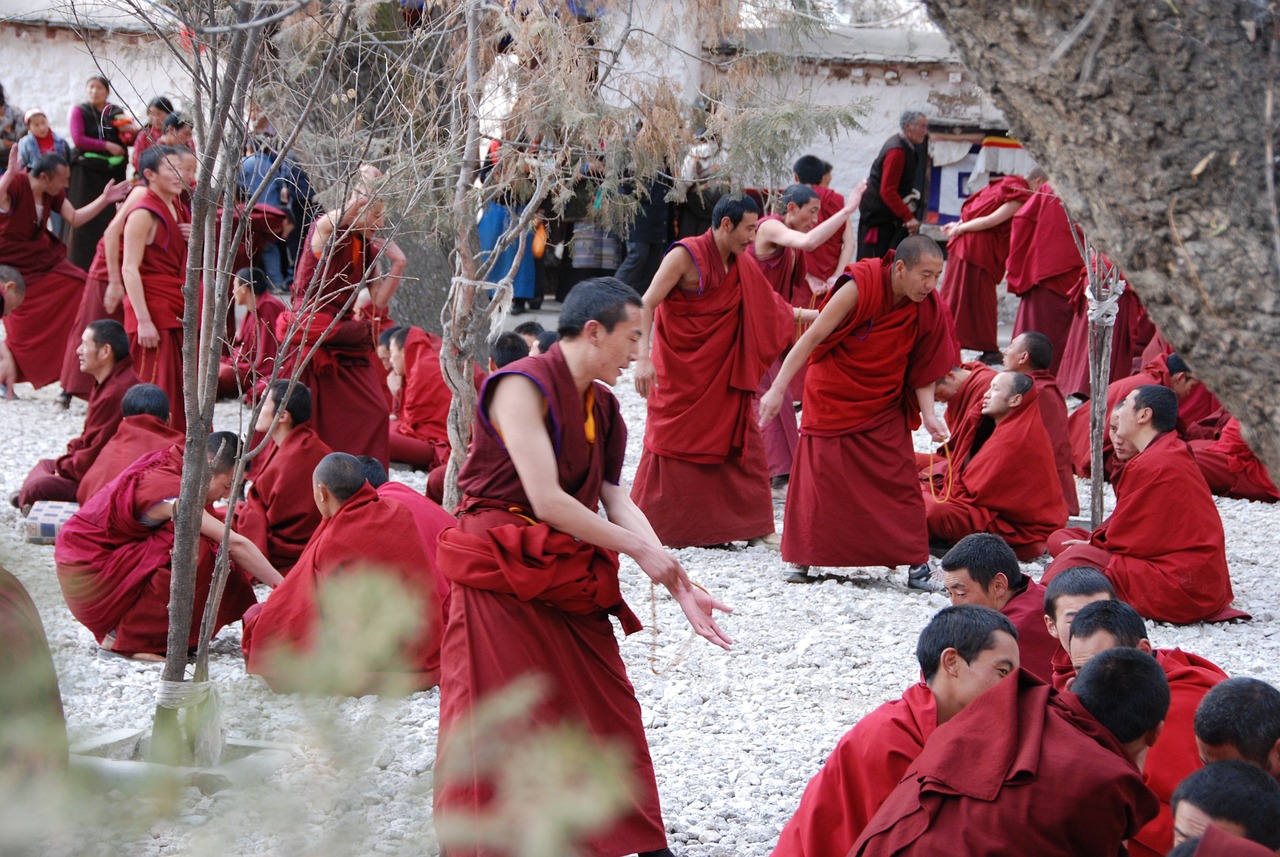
x=735 y=736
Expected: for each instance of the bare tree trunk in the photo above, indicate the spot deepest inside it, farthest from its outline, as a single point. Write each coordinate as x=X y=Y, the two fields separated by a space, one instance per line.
x=1099 y=379
x=1152 y=119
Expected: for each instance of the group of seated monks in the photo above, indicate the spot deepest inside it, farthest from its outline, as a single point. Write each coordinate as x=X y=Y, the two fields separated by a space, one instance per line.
x=1047 y=723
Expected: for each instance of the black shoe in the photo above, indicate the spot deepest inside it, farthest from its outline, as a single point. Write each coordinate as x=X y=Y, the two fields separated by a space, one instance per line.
x=64 y=401
x=920 y=577
x=661 y=852
x=13 y=499
x=801 y=575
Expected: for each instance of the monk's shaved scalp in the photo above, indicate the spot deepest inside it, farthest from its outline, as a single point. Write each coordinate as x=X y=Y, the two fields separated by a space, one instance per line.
x=384 y=338
x=915 y=249
x=10 y=274
x=1077 y=580
x=1176 y=364
x=601 y=299
x=1115 y=617
x=1243 y=713
x=149 y=161
x=508 y=348
x=223 y=450
x=799 y=194
x=1163 y=403
x=255 y=278
x=341 y=473
x=48 y=164
x=1037 y=174
x=145 y=399
x=374 y=472
x=985 y=555
x=109 y=332
x=528 y=328
x=1039 y=349
x=1124 y=689
x=1236 y=792
x=295 y=402
x=968 y=628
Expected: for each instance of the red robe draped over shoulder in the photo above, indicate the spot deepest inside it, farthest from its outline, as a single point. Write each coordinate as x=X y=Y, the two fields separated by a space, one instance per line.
x=1053 y=410
x=863 y=769
x=702 y=478
x=976 y=262
x=821 y=261
x=92 y=308
x=114 y=567
x=432 y=520
x=1043 y=266
x=855 y=461
x=1051 y=781
x=354 y=540
x=963 y=413
x=253 y=350
x=1035 y=645
x=1163 y=548
x=137 y=435
x=279 y=512
x=530 y=601
x=37 y=331
x=423 y=418
x=1174 y=756
x=997 y=485
x=1229 y=464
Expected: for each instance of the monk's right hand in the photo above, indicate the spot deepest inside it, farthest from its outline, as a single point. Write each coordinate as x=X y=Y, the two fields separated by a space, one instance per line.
x=698 y=605
x=770 y=406
x=644 y=376
x=148 y=335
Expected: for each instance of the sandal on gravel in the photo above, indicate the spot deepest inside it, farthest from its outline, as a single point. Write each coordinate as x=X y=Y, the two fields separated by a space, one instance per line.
x=920 y=578
x=800 y=575
x=772 y=541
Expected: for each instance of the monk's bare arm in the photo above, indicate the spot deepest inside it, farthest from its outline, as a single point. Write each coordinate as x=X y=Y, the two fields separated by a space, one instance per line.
x=981 y=224
x=79 y=216
x=937 y=428
x=676 y=266
x=836 y=310
x=847 y=249
x=111 y=239
x=243 y=552
x=778 y=233
x=384 y=287
x=139 y=231
x=14 y=167
x=322 y=233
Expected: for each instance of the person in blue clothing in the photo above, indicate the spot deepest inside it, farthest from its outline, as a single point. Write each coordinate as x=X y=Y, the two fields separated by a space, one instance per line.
x=255 y=172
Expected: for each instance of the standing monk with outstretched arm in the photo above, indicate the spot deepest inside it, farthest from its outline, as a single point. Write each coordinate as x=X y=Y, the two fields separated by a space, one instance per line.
x=534 y=568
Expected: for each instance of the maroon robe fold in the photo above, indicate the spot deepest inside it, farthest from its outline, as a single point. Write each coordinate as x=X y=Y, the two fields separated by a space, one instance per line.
x=1036 y=645
x=529 y=601
x=1053 y=411
x=1163 y=548
x=702 y=478
x=279 y=512
x=136 y=436
x=431 y=521
x=821 y=261
x=423 y=418
x=92 y=308
x=862 y=770
x=855 y=461
x=975 y=265
x=1229 y=465
x=36 y=332
x=59 y=479
x=1216 y=842
x=253 y=350
x=114 y=567
x=1051 y=781
x=344 y=544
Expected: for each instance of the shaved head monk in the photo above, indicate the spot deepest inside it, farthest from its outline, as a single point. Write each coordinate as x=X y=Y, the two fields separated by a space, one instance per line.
x=962 y=390
x=982 y=569
x=38 y=327
x=534 y=567
x=278 y=514
x=1069 y=591
x=104 y=354
x=1163 y=548
x=826 y=262
x=113 y=556
x=1026 y=770
x=963 y=651
x=1240 y=719
x=144 y=428
x=977 y=247
x=253 y=350
x=996 y=475
x=1107 y=625
x=880 y=342
x=1031 y=353
x=507 y=348
x=716 y=325
x=1216 y=842
x=1234 y=796
x=352 y=538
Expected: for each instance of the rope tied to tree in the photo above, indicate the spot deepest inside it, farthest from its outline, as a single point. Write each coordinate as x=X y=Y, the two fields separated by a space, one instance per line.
x=1103 y=312
x=178 y=695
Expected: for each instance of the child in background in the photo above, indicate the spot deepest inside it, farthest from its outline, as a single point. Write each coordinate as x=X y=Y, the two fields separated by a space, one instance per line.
x=40 y=140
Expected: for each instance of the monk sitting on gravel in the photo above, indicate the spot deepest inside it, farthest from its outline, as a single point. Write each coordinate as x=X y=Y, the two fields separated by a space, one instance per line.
x=278 y=513
x=144 y=428
x=962 y=389
x=1064 y=596
x=419 y=433
x=104 y=354
x=1240 y=719
x=962 y=651
x=1233 y=796
x=982 y=569
x=1026 y=770
x=1163 y=548
x=360 y=532
x=1112 y=624
x=995 y=479
x=113 y=556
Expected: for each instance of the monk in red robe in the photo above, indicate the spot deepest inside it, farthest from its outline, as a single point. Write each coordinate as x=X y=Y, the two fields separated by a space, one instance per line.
x=1065 y=596
x=104 y=354
x=246 y=370
x=962 y=390
x=144 y=428
x=419 y=434
x=1216 y=842
x=534 y=568
x=1031 y=353
x=1020 y=752
x=716 y=326
x=1233 y=796
x=278 y=514
x=996 y=481
x=342 y=544
x=963 y=651
x=880 y=343
x=37 y=331
x=981 y=569
x=1043 y=266
x=1130 y=333
x=1163 y=548
x=1240 y=719
x=32 y=725
x=1112 y=624
x=113 y=556
x=338 y=258
x=977 y=247
x=826 y=261
x=781 y=246
x=154 y=271
x=1227 y=461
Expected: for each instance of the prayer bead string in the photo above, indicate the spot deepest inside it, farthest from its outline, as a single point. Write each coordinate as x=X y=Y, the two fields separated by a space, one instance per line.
x=948 y=481
x=654 y=631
